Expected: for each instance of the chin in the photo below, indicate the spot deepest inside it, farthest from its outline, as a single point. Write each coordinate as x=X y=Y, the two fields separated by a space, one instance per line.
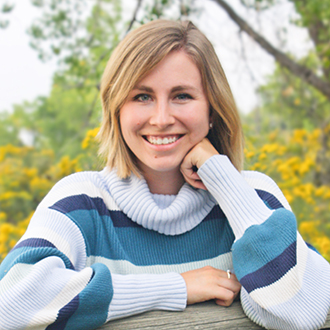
x=162 y=166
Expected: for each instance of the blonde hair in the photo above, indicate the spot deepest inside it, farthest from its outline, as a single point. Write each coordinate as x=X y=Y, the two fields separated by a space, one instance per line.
x=136 y=55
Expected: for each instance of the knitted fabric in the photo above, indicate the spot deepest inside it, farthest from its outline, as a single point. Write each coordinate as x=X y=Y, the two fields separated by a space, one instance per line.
x=100 y=248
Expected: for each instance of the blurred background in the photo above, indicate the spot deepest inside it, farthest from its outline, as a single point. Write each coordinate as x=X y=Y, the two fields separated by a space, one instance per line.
x=276 y=54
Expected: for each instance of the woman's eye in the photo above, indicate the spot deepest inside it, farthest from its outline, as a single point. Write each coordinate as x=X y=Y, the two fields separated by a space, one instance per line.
x=183 y=97
x=142 y=97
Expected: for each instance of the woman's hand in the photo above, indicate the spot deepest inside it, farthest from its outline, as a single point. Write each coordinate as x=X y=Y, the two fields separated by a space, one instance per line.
x=195 y=158
x=210 y=283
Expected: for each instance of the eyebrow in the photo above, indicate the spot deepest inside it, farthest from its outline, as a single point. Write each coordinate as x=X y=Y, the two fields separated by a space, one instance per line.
x=173 y=90
x=143 y=88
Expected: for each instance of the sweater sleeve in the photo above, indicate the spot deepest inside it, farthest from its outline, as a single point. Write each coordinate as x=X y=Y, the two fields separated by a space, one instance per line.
x=45 y=281
x=285 y=284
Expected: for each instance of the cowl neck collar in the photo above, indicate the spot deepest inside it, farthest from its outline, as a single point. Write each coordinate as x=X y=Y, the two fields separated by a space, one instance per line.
x=132 y=195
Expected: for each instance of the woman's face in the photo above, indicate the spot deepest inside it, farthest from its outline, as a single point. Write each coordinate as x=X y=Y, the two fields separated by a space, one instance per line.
x=166 y=114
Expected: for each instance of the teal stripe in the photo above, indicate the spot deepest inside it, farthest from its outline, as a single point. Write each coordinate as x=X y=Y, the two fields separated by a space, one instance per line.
x=143 y=247
x=94 y=301
x=261 y=244
x=8 y=262
x=31 y=255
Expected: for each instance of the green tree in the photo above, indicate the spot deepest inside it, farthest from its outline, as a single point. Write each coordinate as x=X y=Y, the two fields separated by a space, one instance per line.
x=290 y=103
x=6 y=8
x=313 y=71
x=82 y=43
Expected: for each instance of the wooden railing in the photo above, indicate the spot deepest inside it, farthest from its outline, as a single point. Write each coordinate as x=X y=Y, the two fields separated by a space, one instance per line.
x=206 y=315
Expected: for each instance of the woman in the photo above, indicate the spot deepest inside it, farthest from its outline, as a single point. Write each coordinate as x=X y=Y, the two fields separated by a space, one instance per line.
x=171 y=220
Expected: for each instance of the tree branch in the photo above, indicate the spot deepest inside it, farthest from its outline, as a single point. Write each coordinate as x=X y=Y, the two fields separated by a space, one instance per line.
x=297 y=69
x=138 y=5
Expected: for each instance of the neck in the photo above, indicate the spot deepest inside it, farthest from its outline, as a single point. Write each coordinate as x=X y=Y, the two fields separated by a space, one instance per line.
x=164 y=183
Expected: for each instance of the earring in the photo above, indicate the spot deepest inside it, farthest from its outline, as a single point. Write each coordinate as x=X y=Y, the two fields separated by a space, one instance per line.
x=211 y=125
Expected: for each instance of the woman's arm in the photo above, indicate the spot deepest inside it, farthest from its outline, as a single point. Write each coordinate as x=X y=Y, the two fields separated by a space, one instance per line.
x=286 y=285
x=43 y=279
x=46 y=281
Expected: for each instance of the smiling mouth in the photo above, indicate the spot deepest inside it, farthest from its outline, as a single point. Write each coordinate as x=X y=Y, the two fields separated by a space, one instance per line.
x=157 y=140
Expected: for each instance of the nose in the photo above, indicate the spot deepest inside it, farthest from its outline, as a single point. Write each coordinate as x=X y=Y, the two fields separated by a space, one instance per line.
x=162 y=115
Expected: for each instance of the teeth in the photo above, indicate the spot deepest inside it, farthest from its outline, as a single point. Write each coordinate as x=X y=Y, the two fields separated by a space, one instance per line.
x=160 y=141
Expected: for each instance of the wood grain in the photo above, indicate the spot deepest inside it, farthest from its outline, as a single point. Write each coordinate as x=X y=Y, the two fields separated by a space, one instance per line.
x=196 y=317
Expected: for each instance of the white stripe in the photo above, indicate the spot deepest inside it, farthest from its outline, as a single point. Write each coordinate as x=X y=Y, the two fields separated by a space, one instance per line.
x=286 y=287
x=125 y=267
x=59 y=230
x=306 y=310
x=141 y=292
x=240 y=203
x=263 y=182
x=46 y=281
x=16 y=274
x=75 y=285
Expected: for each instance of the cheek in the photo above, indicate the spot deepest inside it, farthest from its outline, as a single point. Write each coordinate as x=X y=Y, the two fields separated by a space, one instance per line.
x=128 y=122
x=200 y=126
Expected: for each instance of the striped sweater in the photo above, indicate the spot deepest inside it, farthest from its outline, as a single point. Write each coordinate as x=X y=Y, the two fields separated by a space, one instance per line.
x=100 y=248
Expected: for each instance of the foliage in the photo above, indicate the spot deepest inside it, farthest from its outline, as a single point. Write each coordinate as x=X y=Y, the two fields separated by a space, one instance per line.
x=258 y=4
x=82 y=43
x=9 y=132
x=284 y=96
x=5 y=9
x=290 y=158
x=26 y=176
x=82 y=36
x=315 y=16
x=169 y=9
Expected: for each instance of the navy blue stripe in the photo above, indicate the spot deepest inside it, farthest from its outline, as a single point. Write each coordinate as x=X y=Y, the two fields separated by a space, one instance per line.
x=120 y=220
x=34 y=242
x=81 y=202
x=64 y=314
x=272 y=271
x=270 y=199
x=216 y=213
x=84 y=202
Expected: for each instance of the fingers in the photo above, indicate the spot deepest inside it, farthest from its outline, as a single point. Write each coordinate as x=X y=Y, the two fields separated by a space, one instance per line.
x=193 y=179
x=230 y=299
x=210 y=283
x=230 y=289
x=195 y=158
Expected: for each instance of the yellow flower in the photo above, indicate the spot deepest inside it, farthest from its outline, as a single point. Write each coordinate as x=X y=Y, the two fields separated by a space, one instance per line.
x=3 y=249
x=6 y=229
x=249 y=154
x=12 y=243
x=297 y=101
x=90 y=138
x=288 y=196
x=299 y=136
x=323 y=244
x=40 y=184
x=255 y=167
x=309 y=228
x=3 y=216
